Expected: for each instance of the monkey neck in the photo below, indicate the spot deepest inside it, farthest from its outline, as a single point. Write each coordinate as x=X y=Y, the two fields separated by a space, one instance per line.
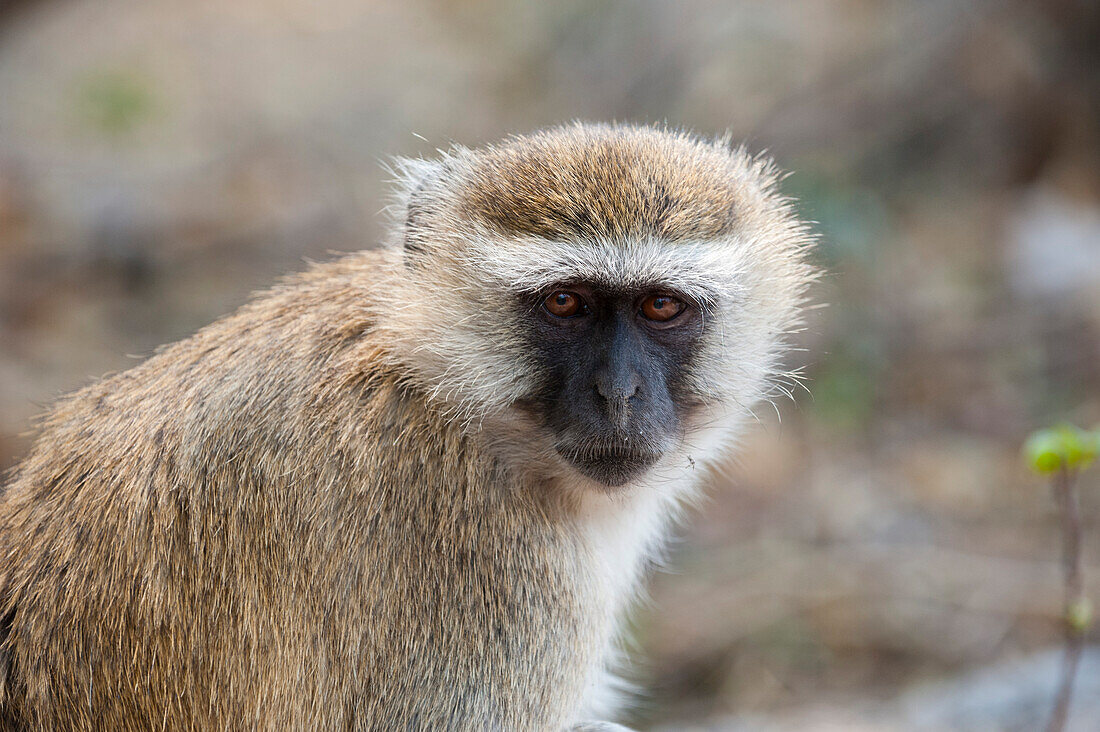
x=619 y=531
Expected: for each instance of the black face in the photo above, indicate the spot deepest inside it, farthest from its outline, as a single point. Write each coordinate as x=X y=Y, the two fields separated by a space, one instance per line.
x=616 y=363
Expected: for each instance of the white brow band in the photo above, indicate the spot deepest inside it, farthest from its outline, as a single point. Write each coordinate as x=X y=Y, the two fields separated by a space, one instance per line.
x=707 y=272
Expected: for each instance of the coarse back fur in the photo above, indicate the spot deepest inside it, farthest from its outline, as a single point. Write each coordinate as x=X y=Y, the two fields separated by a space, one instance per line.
x=323 y=511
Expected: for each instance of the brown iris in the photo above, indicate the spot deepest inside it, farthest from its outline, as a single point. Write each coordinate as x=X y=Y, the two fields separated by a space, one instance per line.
x=562 y=304
x=661 y=308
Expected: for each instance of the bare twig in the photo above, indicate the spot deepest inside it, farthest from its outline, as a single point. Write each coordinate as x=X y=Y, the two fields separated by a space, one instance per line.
x=1064 y=484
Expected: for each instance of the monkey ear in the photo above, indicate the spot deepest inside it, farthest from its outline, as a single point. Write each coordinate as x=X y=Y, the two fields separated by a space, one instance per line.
x=416 y=199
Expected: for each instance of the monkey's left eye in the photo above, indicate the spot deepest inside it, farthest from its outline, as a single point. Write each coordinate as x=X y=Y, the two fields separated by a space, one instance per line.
x=562 y=304
x=662 y=308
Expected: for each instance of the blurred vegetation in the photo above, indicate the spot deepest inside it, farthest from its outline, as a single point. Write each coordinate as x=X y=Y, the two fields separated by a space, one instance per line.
x=1062 y=452
x=115 y=102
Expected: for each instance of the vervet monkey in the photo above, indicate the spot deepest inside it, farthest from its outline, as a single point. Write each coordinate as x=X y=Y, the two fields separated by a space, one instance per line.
x=414 y=488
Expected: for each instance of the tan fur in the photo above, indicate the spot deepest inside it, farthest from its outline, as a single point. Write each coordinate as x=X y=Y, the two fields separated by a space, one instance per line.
x=586 y=183
x=323 y=512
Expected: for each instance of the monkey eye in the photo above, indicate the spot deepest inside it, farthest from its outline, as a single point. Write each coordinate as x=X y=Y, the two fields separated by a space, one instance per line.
x=563 y=304
x=662 y=308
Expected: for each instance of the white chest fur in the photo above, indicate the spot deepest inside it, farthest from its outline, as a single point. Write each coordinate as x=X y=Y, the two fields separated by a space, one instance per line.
x=621 y=533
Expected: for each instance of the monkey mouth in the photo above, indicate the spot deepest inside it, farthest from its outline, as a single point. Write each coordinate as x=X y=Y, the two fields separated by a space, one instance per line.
x=611 y=466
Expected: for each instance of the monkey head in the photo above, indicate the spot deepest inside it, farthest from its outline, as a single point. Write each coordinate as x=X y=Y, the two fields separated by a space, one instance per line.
x=625 y=290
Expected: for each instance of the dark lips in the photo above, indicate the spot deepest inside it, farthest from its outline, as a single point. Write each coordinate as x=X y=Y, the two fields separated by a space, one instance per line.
x=612 y=467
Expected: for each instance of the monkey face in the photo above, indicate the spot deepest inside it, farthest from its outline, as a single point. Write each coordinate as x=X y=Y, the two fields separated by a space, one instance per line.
x=630 y=289
x=614 y=363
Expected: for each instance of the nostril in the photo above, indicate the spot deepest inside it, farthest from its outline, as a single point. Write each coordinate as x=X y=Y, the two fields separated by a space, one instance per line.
x=599 y=389
x=617 y=392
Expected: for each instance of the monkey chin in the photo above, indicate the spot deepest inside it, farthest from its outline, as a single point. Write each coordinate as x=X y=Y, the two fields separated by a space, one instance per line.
x=614 y=469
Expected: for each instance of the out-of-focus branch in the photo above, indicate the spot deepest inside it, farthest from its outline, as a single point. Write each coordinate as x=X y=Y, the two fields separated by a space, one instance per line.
x=1061 y=452
x=1076 y=604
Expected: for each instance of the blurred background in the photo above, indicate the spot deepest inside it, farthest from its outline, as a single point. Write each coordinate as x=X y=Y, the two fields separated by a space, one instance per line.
x=879 y=557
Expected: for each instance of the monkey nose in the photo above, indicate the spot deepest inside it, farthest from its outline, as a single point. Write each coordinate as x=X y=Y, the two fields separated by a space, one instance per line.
x=614 y=395
x=616 y=401
x=621 y=388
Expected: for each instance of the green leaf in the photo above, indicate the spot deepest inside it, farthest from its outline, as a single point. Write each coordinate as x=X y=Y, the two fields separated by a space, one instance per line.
x=1079 y=615
x=1043 y=451
x=1065 y=446
x=1073 y=449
